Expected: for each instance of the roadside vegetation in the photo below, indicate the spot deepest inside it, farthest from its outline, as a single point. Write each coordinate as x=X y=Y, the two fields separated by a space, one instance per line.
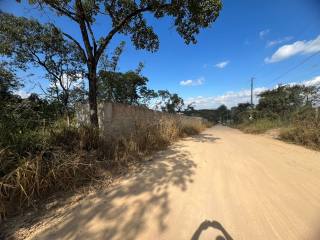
x=260 y=125
x=43 y=149
x=36 y=162
x=304 y=129
x=291 y=110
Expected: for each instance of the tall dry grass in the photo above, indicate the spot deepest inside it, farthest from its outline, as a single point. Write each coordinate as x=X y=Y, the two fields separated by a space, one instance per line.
x=73 y=156
x=305 y=129
x=260 y=125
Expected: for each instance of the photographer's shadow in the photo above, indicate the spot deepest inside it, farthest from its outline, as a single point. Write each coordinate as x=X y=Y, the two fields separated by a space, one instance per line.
x=213 y=224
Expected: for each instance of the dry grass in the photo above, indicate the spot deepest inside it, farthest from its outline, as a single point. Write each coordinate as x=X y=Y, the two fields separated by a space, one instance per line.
x=192 y=126
x=37 y=176
x=305 y=129
x=309 y=137
x=78 y=155
x=259 y=126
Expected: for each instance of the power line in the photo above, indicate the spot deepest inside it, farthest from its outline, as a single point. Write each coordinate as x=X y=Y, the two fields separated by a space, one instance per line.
x=296 y=66
x=300 y=34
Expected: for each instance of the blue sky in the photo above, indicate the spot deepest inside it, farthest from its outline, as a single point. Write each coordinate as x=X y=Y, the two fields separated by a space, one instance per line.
x=257 y=38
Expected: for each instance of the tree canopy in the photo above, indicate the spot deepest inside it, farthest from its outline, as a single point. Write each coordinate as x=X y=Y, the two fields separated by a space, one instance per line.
x=127 y=17
x=28 y=43
x=282 y=101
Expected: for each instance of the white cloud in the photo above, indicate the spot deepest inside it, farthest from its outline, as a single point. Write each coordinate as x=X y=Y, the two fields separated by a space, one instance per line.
x=231 y=99
x=222 y=64
x=312 y=82
x=264 y=33
x=195 y=82
x=22 y=93
x=296 y=48
x=70 y=81
x=272 y=43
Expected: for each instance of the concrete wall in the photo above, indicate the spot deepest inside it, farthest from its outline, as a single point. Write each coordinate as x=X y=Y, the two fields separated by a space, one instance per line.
x=120 y=120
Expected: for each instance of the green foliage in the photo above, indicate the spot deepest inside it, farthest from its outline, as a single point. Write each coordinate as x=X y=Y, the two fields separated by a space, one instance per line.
x=282 y=101
x=293 y=109
x=112 y=64
x=169 y=102
x=128 y=88
x=119 y=87
x=21 y=120
x=28 y=43
x=221 y=114
x=241 y=113
x=8 y=82
x=279 y=104
x=128 y=18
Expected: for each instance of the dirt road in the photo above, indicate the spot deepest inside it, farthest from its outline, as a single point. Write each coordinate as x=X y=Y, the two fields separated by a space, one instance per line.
x=222 y=184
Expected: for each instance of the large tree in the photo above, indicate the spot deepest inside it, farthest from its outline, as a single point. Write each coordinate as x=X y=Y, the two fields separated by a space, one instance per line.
x=128 y=17
x=282 y=101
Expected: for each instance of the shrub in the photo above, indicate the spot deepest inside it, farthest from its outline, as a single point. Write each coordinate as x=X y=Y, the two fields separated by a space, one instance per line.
x=305 y=129
x=260 y=125
x=70 y=156
x=192 y=126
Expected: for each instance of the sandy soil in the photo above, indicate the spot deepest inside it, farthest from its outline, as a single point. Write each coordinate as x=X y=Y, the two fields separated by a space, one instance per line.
x=222 y=184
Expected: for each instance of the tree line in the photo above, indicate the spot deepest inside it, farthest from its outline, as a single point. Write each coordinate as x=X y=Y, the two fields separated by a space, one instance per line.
x=282 y=103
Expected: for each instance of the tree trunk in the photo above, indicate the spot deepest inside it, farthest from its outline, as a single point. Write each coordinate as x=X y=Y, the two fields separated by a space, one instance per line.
x=92 y=76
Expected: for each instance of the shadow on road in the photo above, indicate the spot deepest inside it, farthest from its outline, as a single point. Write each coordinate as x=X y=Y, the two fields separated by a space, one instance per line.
x=211 y=224
x=125 y=207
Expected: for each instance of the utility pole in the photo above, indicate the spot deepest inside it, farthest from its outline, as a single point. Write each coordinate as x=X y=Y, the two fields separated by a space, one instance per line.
x=252 y=79
x=251 y=115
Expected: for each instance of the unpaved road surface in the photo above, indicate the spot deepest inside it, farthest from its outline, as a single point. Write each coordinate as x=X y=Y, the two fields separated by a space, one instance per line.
x=222 y=184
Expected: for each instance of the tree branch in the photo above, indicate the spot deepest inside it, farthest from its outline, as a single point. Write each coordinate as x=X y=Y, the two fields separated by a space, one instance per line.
x=41 y=63
x=92 y=36
x=83 y=29
x=63 y=11
x=124 y=22
x=77 y=43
